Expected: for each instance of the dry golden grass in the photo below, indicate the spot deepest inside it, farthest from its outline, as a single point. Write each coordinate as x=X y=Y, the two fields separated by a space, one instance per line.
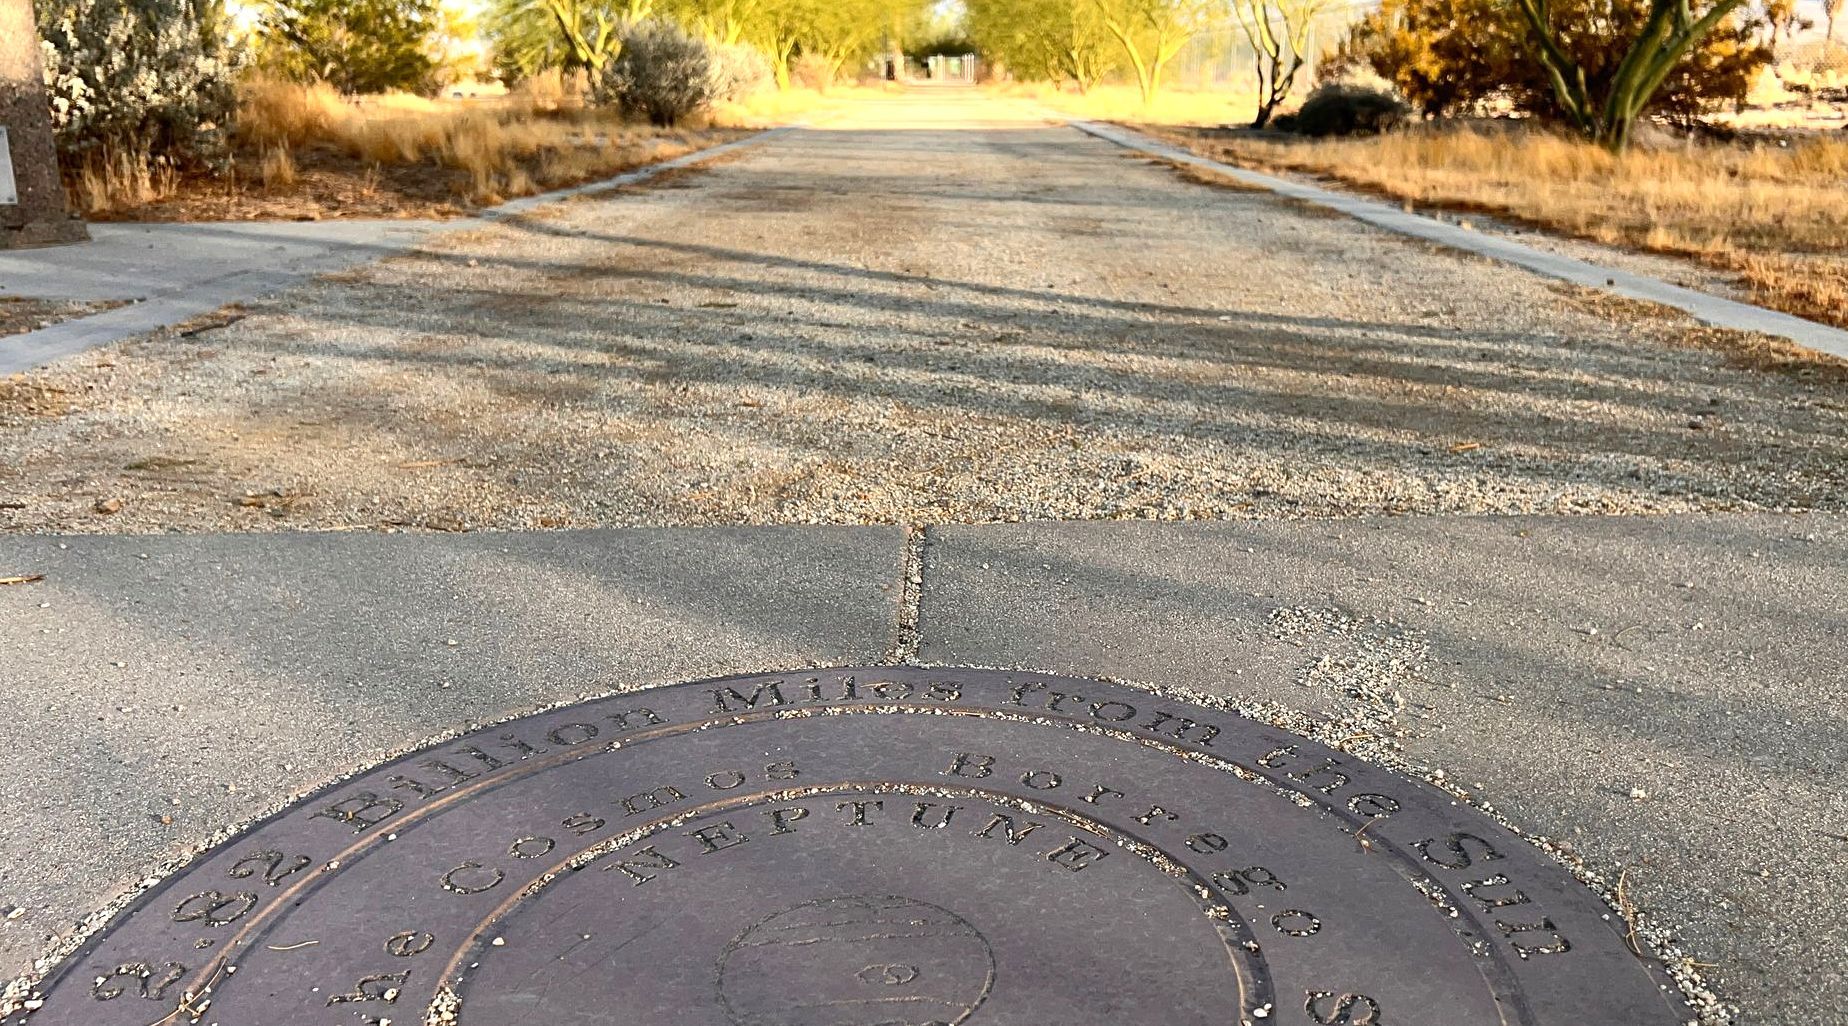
x=307 y=151
x=278 y=168
x=111 y=180
x=530 y=141
x=1777 y=215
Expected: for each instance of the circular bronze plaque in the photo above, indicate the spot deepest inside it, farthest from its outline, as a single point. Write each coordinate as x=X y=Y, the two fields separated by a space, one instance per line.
x=869 y=847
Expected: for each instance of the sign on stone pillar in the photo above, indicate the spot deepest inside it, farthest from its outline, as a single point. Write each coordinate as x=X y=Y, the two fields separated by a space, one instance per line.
x=32 y=210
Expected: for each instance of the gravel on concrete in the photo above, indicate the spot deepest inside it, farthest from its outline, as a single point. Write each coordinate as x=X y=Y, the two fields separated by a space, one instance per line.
x=936 y=310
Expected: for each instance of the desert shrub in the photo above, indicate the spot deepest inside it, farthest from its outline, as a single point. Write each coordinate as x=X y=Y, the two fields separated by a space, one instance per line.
x=356 y=46
x=738 y=71
x=135 y=83
x=662 y=73
x=1456 y=55
x=1341 y=108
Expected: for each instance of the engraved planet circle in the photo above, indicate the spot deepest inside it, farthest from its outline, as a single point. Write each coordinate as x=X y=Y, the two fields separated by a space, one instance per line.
x=917 y=964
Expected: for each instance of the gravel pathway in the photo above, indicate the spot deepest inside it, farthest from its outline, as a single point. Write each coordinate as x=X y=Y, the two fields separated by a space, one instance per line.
x=969 y=317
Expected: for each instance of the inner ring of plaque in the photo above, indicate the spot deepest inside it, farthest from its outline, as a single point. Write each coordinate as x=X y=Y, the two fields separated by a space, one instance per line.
x=523 y=921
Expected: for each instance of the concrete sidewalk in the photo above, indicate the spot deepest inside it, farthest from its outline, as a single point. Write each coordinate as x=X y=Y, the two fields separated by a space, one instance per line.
x=1665 y=695
x=175 y=272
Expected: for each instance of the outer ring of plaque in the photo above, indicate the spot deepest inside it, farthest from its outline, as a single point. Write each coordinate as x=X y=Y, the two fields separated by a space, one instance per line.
x=1244 y=955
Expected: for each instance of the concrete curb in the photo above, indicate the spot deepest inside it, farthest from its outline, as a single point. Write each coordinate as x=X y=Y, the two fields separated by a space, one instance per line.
x=164 y=308
x=527 y=204
x=1703 y=307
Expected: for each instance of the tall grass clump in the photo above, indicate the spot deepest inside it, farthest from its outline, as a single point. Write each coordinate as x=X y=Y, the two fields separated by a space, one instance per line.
x=273 y=111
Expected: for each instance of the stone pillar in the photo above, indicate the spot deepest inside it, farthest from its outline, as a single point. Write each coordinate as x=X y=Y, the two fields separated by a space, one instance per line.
x=32 y=210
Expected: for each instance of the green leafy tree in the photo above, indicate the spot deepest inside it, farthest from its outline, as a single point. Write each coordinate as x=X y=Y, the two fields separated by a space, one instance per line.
x=720 y=22
x=455 y=42
x=777 y=29
x=356 y=46
x=830 y=33
x=840 y=31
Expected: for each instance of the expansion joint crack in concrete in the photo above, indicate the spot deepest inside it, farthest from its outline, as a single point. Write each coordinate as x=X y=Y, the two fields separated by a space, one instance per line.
x=910 y=596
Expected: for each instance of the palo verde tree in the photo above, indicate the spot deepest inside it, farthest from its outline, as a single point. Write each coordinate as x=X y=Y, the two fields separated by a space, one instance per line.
x=356 y=46
x=1151 y=33
x=1447 y=56
x=833 y=33
x=719 y=22
x=839 y=31
x=1054 y=40
x=1606 y=107
x=777 y=30
x=1279 y=32
x=531 y=36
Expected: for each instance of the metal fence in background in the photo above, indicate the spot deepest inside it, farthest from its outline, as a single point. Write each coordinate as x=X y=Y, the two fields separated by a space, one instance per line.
x=1222 y=57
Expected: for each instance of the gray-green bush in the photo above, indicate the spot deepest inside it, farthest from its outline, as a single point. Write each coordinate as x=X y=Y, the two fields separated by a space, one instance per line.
x=137 y=80
x=662 y=73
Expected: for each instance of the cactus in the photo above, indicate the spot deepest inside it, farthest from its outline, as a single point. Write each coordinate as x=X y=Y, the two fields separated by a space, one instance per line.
x=1668 y=34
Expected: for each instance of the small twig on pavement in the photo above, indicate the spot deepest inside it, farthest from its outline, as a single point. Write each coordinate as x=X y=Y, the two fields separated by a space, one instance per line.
x=1341 y=745
x=1628 y=911
x=22 y=579
x=1366 y=844
x=187 y=999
